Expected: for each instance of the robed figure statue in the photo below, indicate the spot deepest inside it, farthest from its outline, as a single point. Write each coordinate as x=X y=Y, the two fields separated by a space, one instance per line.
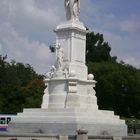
x=72 y=8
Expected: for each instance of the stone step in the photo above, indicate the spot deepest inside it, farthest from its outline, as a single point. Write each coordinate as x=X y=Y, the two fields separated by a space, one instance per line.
x=69 y=110
x=68 y=113
x=67 y=119
x=83 y=114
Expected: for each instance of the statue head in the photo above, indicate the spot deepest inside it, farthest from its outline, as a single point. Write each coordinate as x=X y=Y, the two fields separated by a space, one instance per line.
x=58 y=46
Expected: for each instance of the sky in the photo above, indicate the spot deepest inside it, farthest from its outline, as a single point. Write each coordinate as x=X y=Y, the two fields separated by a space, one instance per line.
x=26 y=28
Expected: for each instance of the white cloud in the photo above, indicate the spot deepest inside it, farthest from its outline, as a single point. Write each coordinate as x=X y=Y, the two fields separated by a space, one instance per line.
x=25 y=30
x=28 y=11
x=132 y=60
x=20 y=48
x=31 y=20
x=131 y=25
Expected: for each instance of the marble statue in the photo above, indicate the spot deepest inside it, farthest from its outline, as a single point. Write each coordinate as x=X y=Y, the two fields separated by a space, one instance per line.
x=52 y=72
x=60 y=57
x=72 y=8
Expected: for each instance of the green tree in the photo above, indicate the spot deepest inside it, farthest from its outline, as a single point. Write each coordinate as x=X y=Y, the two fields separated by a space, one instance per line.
x=20 y=86
x=118 y=87
x=34 y=92
x=97 y=50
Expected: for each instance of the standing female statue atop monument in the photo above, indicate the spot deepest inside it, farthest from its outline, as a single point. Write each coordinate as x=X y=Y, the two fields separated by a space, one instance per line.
x=72 y=8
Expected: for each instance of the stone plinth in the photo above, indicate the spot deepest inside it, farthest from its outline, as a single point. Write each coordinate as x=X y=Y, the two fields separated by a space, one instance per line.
x=67 y=121
x=82 y=135
x=70 y=93
x=72 y=37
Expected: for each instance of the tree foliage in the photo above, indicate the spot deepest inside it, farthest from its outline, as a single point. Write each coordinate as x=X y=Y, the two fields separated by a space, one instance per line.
x=118 y=87
x=20 y=87
x=118 y=84
x=97 y=50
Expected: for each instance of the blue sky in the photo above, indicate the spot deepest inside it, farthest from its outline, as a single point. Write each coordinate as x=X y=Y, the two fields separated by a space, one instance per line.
x=119 y=21
x=26 y=28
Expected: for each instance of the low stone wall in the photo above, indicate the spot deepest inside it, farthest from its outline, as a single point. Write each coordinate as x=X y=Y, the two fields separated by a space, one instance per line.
x=7 y=136
x=133 y=137
x=113 y=138
x=102 y=138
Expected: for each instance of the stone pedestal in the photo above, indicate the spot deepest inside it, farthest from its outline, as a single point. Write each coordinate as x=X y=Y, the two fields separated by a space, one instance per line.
x=69 y=102
x=82 y=135
x=72 y=37
x=68 y=121
x=70 y=93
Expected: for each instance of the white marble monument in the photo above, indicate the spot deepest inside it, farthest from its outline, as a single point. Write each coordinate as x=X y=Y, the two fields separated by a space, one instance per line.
x=69 y=102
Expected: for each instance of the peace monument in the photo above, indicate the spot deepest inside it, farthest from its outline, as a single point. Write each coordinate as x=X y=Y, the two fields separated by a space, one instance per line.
x=69 y=102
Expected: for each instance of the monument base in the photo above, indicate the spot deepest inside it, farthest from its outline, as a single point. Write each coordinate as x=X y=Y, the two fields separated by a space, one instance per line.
x=67 y=122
